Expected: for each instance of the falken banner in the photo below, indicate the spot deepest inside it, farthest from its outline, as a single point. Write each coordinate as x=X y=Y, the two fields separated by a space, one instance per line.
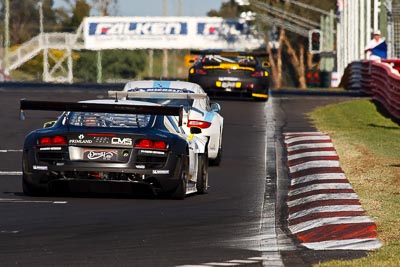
x=169 y=33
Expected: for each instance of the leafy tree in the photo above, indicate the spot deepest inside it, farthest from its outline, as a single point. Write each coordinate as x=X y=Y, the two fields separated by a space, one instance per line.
x=116 y=64
x=25 y=19
x=72 y=16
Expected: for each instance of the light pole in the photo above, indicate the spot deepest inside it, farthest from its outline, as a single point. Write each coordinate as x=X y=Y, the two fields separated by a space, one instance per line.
x=41 y=17
x=6 y=36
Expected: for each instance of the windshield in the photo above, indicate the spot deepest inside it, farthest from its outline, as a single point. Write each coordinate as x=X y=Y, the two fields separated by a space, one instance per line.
x=94 y=119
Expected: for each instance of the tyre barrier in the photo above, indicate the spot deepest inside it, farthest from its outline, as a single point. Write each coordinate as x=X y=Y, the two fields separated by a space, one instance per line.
x=324 y=212
x=380 y=80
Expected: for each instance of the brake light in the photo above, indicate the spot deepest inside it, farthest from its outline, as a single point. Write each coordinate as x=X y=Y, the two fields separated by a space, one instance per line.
x=150 y=144
x=258 y=74
x=199 y=124
x=197 y=71
x=54 y=140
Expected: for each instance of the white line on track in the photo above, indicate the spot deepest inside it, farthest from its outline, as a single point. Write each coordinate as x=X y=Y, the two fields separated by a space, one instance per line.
x=328 y=221
x=322 y=209
x=319 y=197
x=314 y=164
x=323 y=186
x=307 y=146
x=19 y=200
x=306 y=138
x=354 y=244
x=318 y=177
x=10 y=173
x=312 y=154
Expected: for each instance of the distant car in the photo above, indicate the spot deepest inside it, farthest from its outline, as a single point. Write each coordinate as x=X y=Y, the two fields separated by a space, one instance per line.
x=231 y=74
x=107 y=147
x=198 y=110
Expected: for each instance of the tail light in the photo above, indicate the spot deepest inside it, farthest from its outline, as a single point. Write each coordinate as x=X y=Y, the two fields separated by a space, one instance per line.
x=151 y=144
x=258 y=74
x=53 y=140
x=198 y=71
x=199 y=124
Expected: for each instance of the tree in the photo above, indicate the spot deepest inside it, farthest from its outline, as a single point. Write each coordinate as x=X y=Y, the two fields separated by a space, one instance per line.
x=25 y=20
x=291 y=45
x=73 y=16
x=117 y=64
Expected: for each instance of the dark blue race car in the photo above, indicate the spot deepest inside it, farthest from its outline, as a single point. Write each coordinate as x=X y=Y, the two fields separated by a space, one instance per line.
x=103 y=146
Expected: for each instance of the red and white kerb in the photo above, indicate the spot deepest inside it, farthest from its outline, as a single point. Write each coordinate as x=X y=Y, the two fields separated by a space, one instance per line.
x=324 y=212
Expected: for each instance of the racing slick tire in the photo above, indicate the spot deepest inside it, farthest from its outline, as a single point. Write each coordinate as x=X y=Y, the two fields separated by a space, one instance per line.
x=217 y=160
x=30 y=189
x=180 y=191
x=202 y=174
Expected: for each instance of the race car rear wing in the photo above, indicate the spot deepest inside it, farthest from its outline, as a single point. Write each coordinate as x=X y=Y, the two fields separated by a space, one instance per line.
x=156 y=95
x=97 y=107
x=255 y=53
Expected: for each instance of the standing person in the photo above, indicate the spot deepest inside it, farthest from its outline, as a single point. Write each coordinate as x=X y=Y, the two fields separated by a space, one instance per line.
x=376 y=48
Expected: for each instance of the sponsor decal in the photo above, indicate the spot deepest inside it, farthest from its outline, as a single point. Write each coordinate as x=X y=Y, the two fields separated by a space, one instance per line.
x=40 y=168
x=160 y=171
x=50 y=148
x=140 y=166
x=100 y=154
x=152 y=152
x=101 y=140
x=121 y=141
x=125 y=153
x=229 y=79
x=74 y=141
x=81 y=140
x=138 y=28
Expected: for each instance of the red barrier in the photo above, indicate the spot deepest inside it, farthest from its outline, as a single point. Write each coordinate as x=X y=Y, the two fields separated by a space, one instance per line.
x=381 y=80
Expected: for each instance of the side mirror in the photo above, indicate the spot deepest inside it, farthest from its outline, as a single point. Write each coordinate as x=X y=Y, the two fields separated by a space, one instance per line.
x=215 y=107
x=48 y=124
x=195 y=130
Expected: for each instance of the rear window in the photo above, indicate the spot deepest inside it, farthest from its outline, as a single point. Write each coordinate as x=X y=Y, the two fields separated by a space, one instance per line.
x=109 y=120
x=218 y=59
x=170 y=102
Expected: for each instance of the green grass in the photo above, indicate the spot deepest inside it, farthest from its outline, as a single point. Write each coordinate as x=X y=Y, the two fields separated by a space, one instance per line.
x=368 y=145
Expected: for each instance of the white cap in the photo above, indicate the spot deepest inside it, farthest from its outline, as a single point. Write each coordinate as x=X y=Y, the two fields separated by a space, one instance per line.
x=377 y=32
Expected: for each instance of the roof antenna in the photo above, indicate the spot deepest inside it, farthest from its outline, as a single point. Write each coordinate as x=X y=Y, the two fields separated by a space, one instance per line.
x=116 y=96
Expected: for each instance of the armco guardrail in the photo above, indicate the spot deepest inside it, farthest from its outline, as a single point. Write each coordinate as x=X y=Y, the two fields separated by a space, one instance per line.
x=380 y=80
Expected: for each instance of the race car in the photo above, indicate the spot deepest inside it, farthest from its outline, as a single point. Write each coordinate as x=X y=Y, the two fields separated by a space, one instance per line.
x=231 y=74
x=198 y=111
x=100 y=146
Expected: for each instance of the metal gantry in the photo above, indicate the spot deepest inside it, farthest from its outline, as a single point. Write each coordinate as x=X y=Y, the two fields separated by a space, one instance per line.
x=350 y=27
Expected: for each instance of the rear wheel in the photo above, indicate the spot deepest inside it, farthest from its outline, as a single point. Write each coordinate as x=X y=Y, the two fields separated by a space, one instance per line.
x=30 y=189
x=180 y=191
x=217 y=160
x=202 y=174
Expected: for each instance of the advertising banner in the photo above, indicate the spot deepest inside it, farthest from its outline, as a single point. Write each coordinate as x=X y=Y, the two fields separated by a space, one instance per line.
x=169 y=33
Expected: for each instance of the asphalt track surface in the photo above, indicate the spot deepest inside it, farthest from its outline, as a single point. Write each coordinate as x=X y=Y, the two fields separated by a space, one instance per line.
x=240 y=222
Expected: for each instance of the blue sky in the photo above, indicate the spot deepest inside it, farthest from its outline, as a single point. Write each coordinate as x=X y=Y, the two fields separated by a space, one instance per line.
x=155 y=7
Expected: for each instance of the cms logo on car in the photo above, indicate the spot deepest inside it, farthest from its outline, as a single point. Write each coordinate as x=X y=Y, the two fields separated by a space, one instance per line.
x=138 y=28
x=121 y=141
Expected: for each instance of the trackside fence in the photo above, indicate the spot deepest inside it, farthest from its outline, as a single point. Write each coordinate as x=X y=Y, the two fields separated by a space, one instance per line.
x=380 y=80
